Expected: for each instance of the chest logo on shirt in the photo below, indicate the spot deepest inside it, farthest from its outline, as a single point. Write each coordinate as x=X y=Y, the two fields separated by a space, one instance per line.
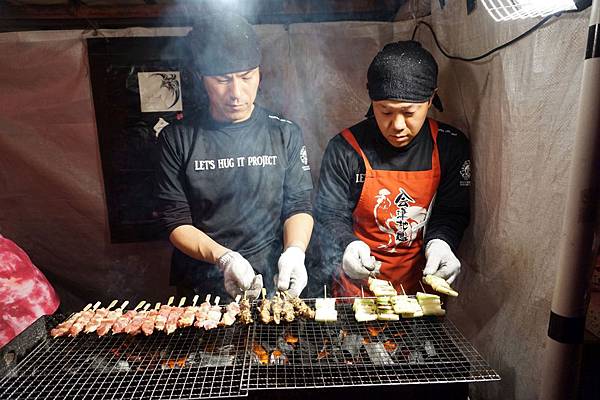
x=400 y=219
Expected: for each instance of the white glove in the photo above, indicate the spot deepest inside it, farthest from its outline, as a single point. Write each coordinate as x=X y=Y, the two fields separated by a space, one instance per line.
x=255 y=288
x=357 y=262
x=441 y=261
x=237 y=272
x=292 y=274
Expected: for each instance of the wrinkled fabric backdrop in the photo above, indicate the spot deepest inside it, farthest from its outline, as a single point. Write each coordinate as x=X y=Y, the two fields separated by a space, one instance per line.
x=518 y=107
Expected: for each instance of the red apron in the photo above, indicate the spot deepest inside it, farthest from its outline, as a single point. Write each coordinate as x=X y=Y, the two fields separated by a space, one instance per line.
x=390 y=216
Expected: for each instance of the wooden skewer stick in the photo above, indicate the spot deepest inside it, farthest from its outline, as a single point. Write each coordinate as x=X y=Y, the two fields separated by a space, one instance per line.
x=264 y=293
x=217 y=299
x=362 y=291
x=157 y=306
x=237 y=298
x=171 y=299
x=87 y=307
x=111 y=305
x=122 y=306
x=140 y=304
x=207 y=298
x=324 y=291
x=194 y=300
x=424 y=291
x=96 y=305
x=402 y=287
x=146 y=307
x=181 y=302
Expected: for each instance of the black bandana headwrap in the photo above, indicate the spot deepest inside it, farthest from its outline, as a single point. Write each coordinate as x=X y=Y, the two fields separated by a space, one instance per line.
x=403 y=71
x=223 y=44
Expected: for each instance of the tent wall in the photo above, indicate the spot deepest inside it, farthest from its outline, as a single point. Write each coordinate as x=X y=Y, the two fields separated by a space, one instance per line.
x=518 y=107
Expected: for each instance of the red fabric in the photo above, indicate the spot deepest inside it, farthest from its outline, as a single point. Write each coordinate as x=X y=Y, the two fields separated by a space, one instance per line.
x=390 y=216
x=25 y=294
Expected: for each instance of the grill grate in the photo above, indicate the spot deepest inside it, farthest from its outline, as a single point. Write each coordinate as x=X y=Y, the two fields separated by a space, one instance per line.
x=189 y=364
x=348 y=353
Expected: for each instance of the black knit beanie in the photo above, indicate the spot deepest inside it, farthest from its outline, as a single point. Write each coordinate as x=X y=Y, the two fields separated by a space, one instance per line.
x=222 y=44
x=403 y=71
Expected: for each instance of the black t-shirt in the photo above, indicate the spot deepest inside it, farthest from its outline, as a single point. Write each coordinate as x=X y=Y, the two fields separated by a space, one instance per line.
x=237 y=183
x=342 y=175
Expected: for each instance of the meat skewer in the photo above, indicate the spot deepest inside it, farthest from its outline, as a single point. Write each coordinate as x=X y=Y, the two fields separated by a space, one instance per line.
x=82 y=321
x=163 y=314
x=264 y=309
x=302 y=309
x=246 y=311
x=124 y=319
x=63 y=328
x=96 y=320
x=231 y=311
x=173 y=317
x=214 y=316
x=276 y=308
x=148 y=324
x=110 y=319
x=135 y=324
x=188 y=316
x=288 y=310
x=202 y=312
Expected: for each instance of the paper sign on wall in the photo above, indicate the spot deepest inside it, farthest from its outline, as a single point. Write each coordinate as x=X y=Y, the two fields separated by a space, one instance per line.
x=160 y=91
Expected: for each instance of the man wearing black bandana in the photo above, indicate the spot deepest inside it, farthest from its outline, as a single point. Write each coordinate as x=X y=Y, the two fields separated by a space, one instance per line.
x=234 y=185
x=393 y=198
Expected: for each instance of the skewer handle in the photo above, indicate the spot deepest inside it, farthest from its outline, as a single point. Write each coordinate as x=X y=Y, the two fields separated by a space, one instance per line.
x=157 y=306
x=140 y=304
x=207 y=298
x=194 y=300
x=122 y=306
x=147 y=306
x=96 y=305
x=111 y=305
x=181 y=302
x=171 y=299
x=87 y=307
x=237 y=298
x=217 y=299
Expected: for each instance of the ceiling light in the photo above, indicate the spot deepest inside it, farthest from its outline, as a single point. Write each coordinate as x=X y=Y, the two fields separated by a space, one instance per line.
x=505 y=10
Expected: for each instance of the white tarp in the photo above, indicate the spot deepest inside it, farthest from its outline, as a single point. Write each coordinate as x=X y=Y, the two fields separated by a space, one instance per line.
x=518 y=107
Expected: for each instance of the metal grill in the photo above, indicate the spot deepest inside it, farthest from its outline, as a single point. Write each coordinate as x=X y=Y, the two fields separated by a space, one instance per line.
x=309 y=354
x=189 y=364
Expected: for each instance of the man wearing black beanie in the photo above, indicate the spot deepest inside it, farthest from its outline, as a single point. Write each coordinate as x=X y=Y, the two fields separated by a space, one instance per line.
x=234 y=184
x=393 y=199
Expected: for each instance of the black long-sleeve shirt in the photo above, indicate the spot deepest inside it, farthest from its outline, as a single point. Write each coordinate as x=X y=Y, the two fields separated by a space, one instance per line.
x=342 y=174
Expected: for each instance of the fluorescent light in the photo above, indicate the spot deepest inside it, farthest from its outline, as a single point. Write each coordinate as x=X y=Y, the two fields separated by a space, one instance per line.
x=505 y=10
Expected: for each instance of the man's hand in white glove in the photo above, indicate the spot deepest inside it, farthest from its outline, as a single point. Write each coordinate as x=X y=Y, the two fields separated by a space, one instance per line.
x=441 y=261
x=357 y=262
x=256 y=287
x=237 y=272
x=292 y=276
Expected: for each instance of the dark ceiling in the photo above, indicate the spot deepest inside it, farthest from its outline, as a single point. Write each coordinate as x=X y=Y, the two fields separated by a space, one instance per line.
x=18 y=15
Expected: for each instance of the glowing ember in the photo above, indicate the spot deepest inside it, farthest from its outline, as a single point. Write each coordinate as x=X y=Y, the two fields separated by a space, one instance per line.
x=172 y=363
x=389 y=345
x=261 y=353
x=290 y=339
x=375 y=331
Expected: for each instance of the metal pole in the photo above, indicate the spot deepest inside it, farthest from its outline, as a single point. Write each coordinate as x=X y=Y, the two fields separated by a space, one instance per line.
x=560 y=371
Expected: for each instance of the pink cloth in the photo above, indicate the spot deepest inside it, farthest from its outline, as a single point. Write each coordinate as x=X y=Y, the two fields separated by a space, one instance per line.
x=25 y=293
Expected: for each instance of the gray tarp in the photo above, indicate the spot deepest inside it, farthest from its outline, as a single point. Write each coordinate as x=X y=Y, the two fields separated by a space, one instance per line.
x=518 y=107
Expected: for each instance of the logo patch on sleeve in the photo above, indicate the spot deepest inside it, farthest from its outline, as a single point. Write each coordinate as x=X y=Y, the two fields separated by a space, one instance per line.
x=465 y=173
x=304 y=159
